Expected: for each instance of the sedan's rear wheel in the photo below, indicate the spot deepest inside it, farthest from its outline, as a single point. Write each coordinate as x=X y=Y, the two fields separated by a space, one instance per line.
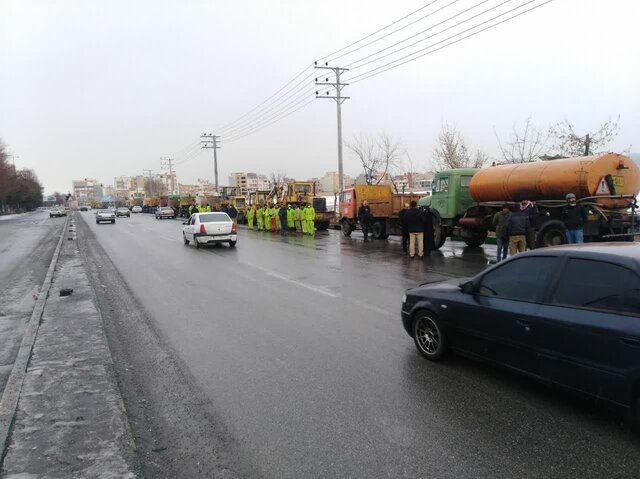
x=428 y=336
x=232 y=243
x=196 y=243
x=184 y=237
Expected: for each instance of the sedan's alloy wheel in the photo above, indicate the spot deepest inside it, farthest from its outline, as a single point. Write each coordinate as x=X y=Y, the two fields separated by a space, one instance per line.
x=428 y=337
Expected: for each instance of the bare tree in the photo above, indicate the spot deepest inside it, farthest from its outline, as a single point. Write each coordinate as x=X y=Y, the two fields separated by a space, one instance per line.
x=378 y=156
x=451 y=151
x=278 y=185
x=524 y=145
x=569 y=143
x=153 y=187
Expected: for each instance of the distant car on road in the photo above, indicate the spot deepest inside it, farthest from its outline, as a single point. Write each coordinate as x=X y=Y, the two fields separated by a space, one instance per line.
x=57 y=212
x=209 y=228
x=105 y=216
x=136 y=209
x=84 y=208
x=122 y=211
x=567 y=315
x=165 y=212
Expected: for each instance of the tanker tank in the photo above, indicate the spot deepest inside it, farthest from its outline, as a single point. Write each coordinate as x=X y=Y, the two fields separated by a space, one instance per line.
x=553 y=179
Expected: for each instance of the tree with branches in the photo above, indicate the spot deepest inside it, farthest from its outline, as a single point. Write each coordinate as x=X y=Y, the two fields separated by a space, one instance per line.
x=451 y=151
x=378 y=156
x=568 y=142
x=525 y=144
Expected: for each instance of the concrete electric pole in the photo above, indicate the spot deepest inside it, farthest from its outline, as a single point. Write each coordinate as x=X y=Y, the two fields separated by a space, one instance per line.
x=210 y=141
x=339 y=100
x=167 y=164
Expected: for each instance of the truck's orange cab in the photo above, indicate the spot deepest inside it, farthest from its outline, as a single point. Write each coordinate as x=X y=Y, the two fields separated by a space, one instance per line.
x=348 y=205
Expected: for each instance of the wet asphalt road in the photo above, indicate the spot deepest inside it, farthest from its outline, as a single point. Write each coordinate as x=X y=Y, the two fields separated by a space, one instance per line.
x=298 y=344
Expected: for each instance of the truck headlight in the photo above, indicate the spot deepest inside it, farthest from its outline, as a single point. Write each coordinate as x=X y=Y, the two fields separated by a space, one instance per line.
x=404 y=298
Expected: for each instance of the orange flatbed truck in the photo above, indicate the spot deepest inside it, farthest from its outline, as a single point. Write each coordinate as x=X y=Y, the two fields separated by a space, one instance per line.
x=385 y=208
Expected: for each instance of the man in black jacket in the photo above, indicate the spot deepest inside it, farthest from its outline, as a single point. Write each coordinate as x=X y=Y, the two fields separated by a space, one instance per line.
x=364 y=217
x=429 y=238
x=518 y=224
x=574 y=217
x=405 y=229
x=415 y=225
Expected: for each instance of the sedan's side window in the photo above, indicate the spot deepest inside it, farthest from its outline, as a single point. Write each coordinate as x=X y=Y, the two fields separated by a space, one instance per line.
x=523 y=279
x=192 y=220
x=598 y=285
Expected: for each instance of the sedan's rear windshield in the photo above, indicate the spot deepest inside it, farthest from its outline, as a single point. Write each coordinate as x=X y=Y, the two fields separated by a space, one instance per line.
x=164 y=208
x=106 y=211
x=123 y=209
x=214 y=217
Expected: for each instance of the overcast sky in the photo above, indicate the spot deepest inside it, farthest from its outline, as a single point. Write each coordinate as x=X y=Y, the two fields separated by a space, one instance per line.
x=100 y=89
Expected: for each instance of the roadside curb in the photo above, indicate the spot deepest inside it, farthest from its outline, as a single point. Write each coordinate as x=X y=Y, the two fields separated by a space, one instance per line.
x=11 y=394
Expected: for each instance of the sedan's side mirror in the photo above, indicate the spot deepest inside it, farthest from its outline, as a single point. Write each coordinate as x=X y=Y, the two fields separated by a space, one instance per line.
x=467 y=287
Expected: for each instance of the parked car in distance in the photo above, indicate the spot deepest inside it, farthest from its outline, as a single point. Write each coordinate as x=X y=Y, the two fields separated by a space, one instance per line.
x=136 y=209
x=165 y=212
x=57 y=212
x=567 y=315
x=123 y=211
x=84 y=208
x=105 y=216
x=209 y=228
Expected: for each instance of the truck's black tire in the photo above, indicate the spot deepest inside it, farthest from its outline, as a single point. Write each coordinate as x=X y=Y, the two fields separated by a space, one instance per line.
x=478 y=237
x=347 y=228
x=379 y=230
x=551 y=235
x=322 y=225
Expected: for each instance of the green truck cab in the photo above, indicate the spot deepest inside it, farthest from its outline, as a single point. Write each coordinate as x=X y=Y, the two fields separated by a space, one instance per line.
x=453 y=207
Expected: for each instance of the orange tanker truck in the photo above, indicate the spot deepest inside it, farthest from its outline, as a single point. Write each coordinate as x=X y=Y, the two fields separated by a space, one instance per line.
x=464 y=201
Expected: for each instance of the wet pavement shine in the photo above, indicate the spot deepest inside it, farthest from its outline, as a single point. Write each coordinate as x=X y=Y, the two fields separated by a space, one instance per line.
x=298 y=344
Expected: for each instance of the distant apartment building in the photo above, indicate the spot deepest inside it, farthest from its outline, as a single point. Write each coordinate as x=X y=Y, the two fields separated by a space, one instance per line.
x=249 y=182
x=330 y=182
x=87 y=190
x=410 y=182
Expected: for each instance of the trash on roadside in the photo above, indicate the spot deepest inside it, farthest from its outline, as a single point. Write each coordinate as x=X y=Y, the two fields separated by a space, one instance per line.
x=66 y=291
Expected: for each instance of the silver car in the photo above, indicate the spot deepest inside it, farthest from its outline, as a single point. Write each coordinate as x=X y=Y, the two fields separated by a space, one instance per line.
x=105 y=216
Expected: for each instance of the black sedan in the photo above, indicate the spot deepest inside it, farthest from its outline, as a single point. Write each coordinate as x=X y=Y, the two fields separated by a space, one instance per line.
x=569 y=315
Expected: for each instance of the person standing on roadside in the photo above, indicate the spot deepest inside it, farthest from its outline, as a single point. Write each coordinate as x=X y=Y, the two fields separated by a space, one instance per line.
x=290 y=220
x=251 y=214
x=517 y=227
x=233 y=213
x=404 y=228
x=365 y=217
x=574 y=217
x=532 y=211
x=297 y=218
x=284 y=219
x=415 y=225
x=260 y=218
x=429 y=239
x=500 y=225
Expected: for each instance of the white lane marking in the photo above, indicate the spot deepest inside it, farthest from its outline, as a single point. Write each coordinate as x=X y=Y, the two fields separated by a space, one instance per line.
x=316 y=289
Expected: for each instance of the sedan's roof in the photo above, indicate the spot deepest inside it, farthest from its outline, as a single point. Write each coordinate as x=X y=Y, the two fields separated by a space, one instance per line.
x=621 y=250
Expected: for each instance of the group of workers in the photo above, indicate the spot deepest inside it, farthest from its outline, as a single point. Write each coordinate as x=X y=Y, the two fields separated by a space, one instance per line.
x=230 y=210
x=282 y=218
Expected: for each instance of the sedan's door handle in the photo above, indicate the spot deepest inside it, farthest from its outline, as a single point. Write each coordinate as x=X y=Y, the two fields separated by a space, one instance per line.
x=631 y=341
x=525 y=324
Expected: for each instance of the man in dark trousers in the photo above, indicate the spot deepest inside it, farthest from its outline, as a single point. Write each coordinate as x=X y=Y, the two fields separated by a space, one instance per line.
x=284 y=220
x=428 y=239
x=233 y=213
x=574 y=217
x=364 y=217
x=405 y=229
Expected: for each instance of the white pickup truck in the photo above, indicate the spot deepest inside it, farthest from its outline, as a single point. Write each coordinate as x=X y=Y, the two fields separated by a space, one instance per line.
x=209 y=228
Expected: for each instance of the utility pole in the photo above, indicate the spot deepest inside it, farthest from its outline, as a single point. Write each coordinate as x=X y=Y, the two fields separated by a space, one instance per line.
x=339 y=100
x=167 y=164
x=210 y=141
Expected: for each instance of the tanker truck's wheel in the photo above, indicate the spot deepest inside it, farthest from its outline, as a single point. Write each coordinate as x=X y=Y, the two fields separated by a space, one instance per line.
x=347 y=228
x=439 y=236
x=476 y=239
x=552 y=235
x=379 y=230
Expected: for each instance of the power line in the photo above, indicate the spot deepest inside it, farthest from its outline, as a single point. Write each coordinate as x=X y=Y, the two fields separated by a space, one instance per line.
x=377 y=31
x=351 y=65
x=390 y=65
x=395 y=31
